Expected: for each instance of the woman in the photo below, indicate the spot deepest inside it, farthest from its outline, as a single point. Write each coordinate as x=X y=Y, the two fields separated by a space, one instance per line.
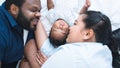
x=87 y=44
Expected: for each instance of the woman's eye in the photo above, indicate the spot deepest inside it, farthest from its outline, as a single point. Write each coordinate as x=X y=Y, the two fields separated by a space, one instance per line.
x=75 y=23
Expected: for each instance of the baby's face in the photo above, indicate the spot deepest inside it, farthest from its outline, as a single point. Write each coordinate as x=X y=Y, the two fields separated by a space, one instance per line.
x=59 y=29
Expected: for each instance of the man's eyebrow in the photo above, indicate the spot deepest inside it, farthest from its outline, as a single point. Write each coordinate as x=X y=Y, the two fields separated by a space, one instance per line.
x=36 y=7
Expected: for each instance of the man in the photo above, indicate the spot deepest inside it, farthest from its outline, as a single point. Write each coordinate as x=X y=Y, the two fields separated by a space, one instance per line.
x=16 y=15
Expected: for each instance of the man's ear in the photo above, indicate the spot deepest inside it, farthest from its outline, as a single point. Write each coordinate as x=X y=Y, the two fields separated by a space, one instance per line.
x=14 y=10
x=88 y=34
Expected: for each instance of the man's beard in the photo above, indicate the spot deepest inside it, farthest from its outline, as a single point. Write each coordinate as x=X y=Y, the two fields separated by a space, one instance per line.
x=23 y=21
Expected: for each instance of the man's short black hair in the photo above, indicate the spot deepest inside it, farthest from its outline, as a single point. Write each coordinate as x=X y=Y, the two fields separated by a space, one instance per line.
x=18 y=3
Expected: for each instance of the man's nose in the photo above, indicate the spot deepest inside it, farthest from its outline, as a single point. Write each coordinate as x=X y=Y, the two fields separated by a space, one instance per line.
x=38 y=14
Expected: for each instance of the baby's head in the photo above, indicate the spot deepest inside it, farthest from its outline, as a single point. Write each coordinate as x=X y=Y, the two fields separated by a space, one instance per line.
x=59 y=32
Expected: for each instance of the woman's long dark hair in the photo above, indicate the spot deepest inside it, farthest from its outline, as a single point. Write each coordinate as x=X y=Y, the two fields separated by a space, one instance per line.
x=101 y=26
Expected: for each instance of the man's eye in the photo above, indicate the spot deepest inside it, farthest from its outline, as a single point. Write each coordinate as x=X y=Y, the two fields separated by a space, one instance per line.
x=33 y=10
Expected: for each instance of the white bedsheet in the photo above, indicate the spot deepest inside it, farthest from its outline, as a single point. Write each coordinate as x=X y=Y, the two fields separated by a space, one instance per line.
x=108 y=7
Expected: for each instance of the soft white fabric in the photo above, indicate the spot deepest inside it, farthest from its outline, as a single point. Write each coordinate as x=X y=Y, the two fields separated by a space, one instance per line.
x=80 y=55
x=47 y=48
x=65 y=4
x=67 y=10
x=25 y=35
x=110 y=8
x=68 y=15
x=1 y=1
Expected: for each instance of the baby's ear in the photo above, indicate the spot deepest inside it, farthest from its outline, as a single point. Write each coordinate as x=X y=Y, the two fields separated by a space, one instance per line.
x=14 y=10
x=88 y=34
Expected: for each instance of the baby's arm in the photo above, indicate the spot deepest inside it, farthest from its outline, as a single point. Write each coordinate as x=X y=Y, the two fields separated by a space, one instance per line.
x=85 y=7
x=50 y=4
x=40 y=35
x=42 y=42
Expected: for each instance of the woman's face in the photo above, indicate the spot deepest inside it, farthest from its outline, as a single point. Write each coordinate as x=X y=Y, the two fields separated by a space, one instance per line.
x=59 y=29
x=76 y=31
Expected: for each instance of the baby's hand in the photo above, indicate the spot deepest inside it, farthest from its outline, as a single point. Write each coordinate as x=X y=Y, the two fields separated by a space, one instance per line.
x=40 y=58
x=87 y=3
x=39 y=23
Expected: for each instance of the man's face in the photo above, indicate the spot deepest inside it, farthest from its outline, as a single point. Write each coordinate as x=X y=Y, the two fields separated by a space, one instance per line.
x=29 y=14
x=59 y=29
x=76 y=32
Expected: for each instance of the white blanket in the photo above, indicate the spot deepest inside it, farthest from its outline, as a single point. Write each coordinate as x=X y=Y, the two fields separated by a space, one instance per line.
x=108 y=7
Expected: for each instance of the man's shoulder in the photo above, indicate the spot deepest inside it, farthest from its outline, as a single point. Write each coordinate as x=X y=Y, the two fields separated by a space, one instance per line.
x=3 y=17
x=4 y=24
x=1 y=11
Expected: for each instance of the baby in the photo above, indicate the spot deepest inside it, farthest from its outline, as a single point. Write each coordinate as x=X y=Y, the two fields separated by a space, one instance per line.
x=61 y=20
